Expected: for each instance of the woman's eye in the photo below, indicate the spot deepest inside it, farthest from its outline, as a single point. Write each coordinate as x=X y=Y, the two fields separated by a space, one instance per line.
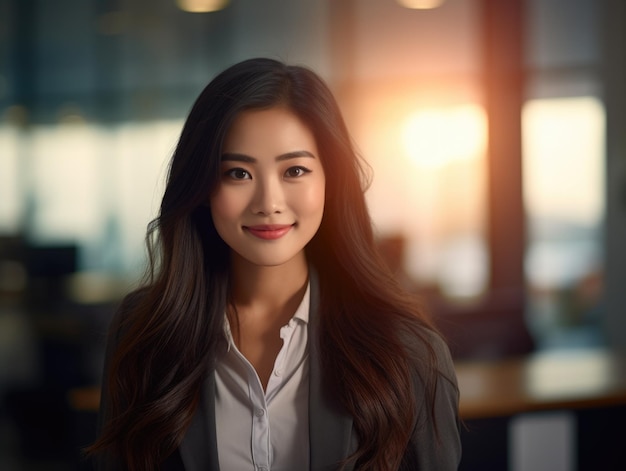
x=294 y=172
x=238 y=174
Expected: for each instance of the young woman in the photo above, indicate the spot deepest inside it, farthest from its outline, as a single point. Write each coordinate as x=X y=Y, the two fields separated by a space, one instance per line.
x=270 y=335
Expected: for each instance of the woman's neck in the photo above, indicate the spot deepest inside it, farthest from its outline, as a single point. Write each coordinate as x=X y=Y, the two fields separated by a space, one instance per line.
x=263 y=290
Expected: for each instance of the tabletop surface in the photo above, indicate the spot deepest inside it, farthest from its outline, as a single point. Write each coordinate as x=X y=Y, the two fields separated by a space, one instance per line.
x=572 y=379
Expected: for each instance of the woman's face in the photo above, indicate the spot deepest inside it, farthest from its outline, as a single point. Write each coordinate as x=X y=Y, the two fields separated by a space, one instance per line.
x=270 y=199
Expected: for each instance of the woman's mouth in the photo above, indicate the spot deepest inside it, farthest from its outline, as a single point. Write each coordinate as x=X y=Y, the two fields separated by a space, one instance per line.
x=269 y=231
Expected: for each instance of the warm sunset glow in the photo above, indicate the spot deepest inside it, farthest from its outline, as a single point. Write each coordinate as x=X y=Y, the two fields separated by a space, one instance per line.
x=438 y=136
x=201 y=6
x=421 y=4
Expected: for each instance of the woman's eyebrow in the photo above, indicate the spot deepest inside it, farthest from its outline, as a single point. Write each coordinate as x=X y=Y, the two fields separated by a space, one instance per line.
x=236 y=157
x=295 y=155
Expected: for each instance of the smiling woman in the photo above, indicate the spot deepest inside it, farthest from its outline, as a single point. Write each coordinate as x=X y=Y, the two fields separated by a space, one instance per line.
x=270 y=333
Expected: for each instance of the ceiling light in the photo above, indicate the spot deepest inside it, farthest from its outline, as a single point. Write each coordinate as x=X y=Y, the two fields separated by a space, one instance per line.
x=421 y=4
x=201 y=6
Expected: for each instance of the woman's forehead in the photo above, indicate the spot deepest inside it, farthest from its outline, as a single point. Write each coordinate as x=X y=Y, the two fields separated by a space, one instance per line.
x=274 y=131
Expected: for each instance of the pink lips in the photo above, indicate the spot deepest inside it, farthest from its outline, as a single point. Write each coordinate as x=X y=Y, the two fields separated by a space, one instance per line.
x=269 y=231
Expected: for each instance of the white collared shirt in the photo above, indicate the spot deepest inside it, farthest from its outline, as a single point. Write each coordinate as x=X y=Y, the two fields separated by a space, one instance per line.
x=265 y=430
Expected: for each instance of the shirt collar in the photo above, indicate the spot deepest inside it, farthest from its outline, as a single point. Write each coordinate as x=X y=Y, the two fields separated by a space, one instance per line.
x=302 y=312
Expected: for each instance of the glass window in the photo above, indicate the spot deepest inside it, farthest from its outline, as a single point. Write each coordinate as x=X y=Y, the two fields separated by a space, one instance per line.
x=98 y=188
x=563 y=141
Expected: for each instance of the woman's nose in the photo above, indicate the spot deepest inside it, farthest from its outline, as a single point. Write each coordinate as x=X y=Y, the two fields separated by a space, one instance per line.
x=269 y=197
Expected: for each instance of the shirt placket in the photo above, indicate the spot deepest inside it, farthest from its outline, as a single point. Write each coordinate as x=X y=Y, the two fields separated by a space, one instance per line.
x=260 y=436
x=278 y=373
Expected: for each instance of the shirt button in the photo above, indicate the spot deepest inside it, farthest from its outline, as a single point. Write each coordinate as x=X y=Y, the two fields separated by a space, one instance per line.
x=278 y=372
x=259 y=413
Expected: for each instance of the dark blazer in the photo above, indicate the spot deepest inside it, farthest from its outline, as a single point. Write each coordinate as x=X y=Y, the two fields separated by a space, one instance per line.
x=434 y=447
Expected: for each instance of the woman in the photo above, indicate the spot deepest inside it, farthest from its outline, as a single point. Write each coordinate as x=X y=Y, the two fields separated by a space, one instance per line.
x=270 y=334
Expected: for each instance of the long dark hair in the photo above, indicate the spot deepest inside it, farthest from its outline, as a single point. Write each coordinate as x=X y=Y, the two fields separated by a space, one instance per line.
x=170 y=332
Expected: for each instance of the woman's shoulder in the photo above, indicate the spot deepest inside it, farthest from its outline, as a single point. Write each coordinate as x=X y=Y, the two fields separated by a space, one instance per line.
x=438 y=344
x=429 y=350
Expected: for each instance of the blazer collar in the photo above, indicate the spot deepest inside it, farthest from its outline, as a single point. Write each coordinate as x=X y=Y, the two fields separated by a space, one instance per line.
x=330 y=428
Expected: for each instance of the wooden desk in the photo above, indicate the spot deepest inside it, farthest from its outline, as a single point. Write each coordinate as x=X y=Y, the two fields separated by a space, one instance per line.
x=576 y=379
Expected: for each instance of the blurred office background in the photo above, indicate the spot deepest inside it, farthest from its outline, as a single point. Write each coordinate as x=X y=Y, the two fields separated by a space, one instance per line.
x=495 y=130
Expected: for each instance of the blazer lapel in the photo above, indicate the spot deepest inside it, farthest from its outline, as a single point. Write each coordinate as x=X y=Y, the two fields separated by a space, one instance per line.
x=198 y=449
x=330 y=427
